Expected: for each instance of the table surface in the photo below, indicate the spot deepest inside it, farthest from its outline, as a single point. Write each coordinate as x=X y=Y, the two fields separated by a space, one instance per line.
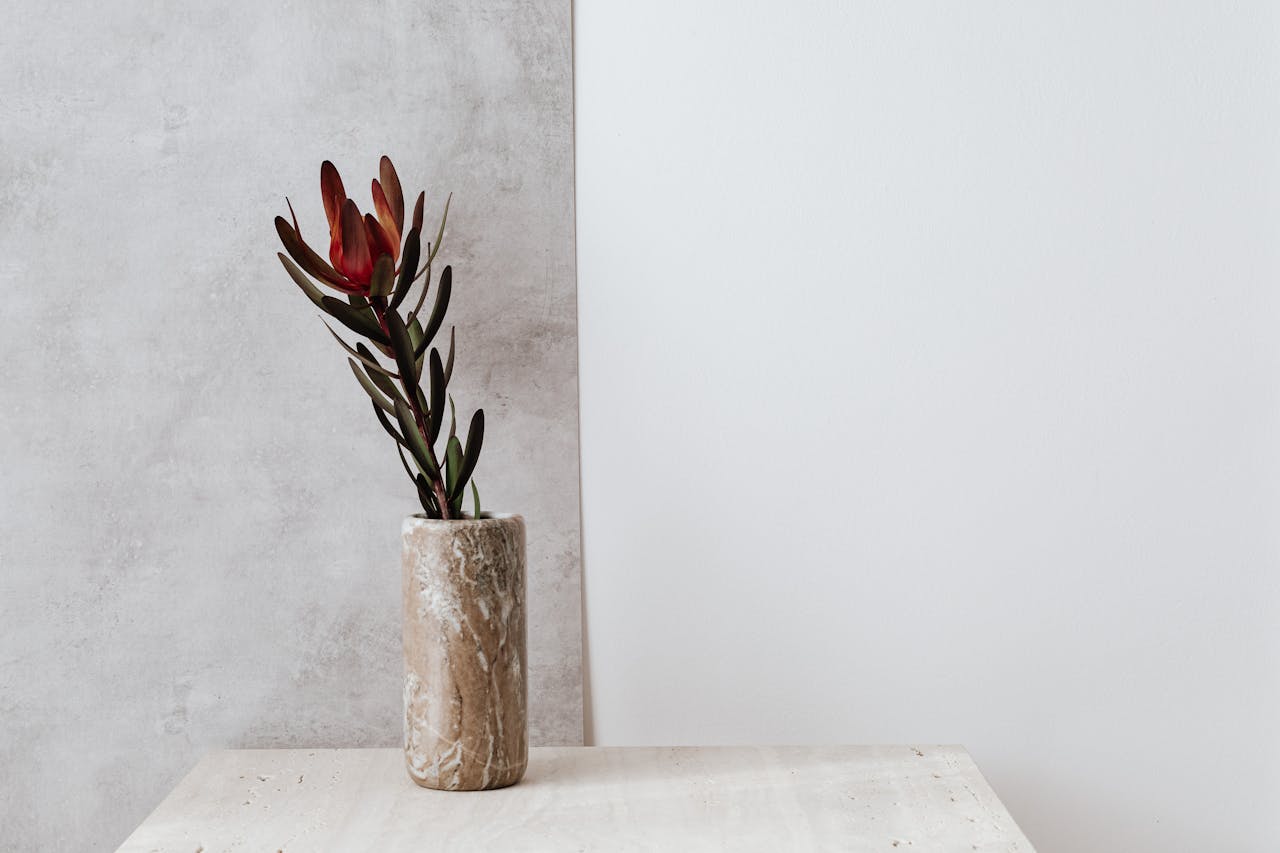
x=859 y=798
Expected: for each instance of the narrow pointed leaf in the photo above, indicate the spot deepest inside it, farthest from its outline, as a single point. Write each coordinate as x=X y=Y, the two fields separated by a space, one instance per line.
x=404 y=463
x=417 y=211
x=455 y=492
x=415 y=335
x=426 y=287
x=408 y=266
x=300 y=278
x=475 y=494
x=403 y=348
x=452 y=464
x=475 y=439
x=440 y=232
x=391 y=431
x=307 y=258
x=369 y=388
x=448 y=364
x=453 y=418
x=427 y=497
x=437 y=396
x=437 y=313
x=358 y=321
x=415 y=443
x=383 y=276
x=383 y=379
x=363 y=355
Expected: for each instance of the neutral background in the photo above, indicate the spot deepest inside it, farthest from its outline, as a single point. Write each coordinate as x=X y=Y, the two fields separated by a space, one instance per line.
x=930 y=357
x=199 y=516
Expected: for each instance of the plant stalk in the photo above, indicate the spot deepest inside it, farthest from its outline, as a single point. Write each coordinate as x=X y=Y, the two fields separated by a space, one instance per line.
x=419 y=417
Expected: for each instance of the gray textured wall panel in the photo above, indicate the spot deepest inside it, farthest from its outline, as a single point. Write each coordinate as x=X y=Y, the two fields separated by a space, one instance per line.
x=199 y=521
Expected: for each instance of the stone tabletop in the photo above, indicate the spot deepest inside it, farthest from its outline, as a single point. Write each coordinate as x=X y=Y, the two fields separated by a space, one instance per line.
x=855 y=798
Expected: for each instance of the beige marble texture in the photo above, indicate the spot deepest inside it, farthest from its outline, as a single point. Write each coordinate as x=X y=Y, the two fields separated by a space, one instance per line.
x=199 y=514
x=865 y=799
x=465 y=691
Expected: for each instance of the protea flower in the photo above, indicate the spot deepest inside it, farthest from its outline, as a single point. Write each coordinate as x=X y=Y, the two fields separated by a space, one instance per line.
x=356 y=241
x=364 y=252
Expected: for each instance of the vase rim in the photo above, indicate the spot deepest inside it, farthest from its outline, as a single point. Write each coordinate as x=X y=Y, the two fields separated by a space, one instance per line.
x=419 y=518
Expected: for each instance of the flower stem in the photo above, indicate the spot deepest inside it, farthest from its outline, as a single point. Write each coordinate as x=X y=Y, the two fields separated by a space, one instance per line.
x=379 y=306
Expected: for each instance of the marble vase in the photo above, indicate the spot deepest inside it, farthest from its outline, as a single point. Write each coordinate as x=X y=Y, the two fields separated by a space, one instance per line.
x=465 y=723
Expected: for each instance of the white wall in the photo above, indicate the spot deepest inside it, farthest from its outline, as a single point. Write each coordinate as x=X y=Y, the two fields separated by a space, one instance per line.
x=929 y=371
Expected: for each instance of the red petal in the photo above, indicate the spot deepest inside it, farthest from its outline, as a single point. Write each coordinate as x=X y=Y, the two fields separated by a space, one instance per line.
x=380 y=243
x=357 y=262
x=385 y=217
x=335 y=243
x=395 y=195
x=332 y=192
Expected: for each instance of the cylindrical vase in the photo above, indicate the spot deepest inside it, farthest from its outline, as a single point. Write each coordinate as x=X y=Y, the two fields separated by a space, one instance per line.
x=465 y=723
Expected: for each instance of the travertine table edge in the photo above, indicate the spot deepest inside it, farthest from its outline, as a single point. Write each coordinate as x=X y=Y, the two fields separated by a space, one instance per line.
x=858 y=798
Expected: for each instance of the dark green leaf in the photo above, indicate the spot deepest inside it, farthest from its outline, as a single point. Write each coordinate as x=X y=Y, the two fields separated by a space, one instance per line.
x=391 y=431
x=437 y=396
x=362 y=322
x=404 y=463
x=475 y=439
x=427 y=497
x=369 y=388
x=437 y=313
x=453 y=418
x=380 y=377
x=408 y=266
x=426 y=288
x=300 y=278
x=415 y=336
x=383 y=276
x=417 y=211
x=448 y=364
x=475 y=494
x=440 y=233
x=452 y=464
x=362 y=354
x=417 y=446
x=403 y=348
x=306 y=257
